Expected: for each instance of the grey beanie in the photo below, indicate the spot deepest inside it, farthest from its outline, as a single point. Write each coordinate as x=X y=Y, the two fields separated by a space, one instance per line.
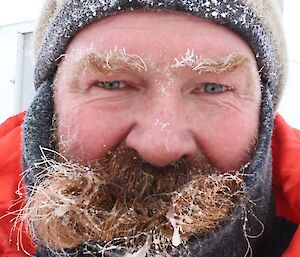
x=256 y=21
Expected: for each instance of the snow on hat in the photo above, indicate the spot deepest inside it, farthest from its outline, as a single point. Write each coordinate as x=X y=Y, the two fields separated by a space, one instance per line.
x=258 y=22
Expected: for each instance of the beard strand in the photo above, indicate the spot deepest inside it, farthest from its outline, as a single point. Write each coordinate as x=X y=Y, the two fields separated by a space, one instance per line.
x=128 y=204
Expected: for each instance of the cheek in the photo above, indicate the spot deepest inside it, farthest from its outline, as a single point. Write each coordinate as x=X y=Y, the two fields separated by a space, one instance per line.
x=86 y=134
x=231 y=141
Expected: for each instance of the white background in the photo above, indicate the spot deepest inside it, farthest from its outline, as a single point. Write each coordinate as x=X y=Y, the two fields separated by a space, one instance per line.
x=15 y=11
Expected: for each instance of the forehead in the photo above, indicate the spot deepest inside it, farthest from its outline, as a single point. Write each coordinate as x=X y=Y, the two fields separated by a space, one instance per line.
x=162 y=36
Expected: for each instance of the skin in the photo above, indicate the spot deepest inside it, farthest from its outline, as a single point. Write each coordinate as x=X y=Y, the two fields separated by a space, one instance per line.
x=163 y=113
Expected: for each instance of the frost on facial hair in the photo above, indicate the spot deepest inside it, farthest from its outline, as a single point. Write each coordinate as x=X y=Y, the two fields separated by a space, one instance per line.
x=108 y=60
x=196 y=208
x=176 y=240
x=142 y=252
x=199 y=64
x=100 y=61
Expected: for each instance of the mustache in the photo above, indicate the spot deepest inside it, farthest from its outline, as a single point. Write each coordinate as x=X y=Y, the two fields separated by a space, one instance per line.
x=125 y=198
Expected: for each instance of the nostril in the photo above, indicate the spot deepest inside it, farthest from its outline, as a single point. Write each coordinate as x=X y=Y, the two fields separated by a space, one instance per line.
x=158 y=155
x=163 y=159
x=161 y=147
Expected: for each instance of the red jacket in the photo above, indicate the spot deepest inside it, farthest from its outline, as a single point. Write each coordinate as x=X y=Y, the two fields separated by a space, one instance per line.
x=286 y=184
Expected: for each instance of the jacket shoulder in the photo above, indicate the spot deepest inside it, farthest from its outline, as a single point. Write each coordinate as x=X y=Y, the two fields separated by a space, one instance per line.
x=10 y=152
x=286 y=170
x=10 y=182
x=11 y=123
x=10 y=147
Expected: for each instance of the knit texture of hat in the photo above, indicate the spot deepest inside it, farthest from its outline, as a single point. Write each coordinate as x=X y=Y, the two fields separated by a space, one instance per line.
x=258 y=22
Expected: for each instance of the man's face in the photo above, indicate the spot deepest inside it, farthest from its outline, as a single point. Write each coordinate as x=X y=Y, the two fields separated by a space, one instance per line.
x=166 y=103
x=165 y=85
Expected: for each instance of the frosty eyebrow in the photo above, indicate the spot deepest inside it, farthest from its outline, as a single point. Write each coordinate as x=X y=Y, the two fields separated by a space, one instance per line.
x=224 y=64
x=112 y=60
x=119 y=59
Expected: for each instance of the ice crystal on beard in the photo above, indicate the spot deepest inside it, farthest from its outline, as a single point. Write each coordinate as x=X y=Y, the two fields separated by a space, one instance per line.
x=60 y=211
x=155 y=245
x=176 y=240
x=142 y=252
x=67 y=206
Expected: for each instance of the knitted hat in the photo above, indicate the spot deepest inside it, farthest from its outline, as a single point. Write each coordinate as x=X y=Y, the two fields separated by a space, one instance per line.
x=256 y=21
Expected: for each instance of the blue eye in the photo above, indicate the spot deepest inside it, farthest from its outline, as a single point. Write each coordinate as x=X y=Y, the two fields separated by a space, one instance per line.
x=214 y=88
x=111 y=85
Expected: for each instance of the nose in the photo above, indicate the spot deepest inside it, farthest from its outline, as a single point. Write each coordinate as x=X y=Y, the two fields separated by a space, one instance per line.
x=161 y=135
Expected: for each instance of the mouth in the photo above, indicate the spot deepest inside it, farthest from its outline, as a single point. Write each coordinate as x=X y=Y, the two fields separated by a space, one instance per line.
x=129 y=205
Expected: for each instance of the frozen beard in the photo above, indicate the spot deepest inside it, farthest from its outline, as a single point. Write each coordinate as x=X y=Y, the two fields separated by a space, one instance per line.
x=130 y=205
